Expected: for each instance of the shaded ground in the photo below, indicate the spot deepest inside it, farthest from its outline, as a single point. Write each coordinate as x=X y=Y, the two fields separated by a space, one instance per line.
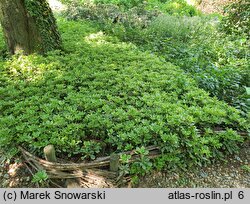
x=235 y=173
x=14 y=174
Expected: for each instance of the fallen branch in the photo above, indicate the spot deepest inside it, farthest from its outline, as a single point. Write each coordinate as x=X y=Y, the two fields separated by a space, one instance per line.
x=101 y=162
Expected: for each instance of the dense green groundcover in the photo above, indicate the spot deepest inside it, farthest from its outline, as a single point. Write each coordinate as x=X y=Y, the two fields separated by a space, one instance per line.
x=200 y=45
x=100 y=95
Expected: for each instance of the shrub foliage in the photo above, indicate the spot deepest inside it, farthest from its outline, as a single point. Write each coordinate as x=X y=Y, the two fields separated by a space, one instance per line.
x=101 y=95
x=237 y=18
x=218 y=62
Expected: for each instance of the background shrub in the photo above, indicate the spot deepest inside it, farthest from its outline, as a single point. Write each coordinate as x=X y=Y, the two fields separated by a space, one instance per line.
x=237 y=18
x=122 y=3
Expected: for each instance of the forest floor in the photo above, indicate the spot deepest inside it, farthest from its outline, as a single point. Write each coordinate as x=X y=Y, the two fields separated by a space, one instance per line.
x=233 y=173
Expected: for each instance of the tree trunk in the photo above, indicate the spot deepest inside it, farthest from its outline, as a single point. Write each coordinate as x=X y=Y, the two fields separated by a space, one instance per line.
x=29 y=25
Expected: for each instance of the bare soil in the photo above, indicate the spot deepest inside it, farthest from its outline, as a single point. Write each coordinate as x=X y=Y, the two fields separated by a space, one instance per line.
x=234 y=172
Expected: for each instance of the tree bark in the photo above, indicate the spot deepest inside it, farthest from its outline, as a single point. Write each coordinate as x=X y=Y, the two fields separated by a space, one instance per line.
x=29 y=25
